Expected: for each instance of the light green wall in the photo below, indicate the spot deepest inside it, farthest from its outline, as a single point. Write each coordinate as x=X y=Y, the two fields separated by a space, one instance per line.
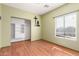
x=48 y=26
x=7 y=12
x=0 y=26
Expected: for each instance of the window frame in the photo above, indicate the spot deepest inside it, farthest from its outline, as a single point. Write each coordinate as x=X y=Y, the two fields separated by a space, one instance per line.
x=66 y=37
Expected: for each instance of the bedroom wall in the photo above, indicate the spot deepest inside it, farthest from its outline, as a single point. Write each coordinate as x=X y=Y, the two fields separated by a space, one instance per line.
x=7 y=13
x=0 y=25
x=48 y=26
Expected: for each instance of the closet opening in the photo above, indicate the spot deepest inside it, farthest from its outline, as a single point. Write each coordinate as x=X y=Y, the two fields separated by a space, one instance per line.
x=20 y=29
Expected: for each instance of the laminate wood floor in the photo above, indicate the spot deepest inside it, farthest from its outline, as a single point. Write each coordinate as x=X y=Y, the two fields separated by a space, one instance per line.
x=36 y=48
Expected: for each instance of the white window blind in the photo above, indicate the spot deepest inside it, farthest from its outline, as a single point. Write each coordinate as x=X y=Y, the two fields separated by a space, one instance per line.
x=59 y=26
x=70 y=25
x=65 y=25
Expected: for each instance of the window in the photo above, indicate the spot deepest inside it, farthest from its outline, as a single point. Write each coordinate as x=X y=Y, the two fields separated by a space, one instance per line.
x=59 y=26
x=65 y=25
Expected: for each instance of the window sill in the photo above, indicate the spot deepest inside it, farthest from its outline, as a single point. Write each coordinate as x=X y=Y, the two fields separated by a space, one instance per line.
x=68 y=38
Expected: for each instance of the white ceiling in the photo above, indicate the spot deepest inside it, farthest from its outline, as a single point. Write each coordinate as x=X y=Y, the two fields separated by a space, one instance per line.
x=37 y=8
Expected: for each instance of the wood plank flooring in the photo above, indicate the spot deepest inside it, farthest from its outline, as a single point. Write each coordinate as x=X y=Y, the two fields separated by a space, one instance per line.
x=36 y=48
